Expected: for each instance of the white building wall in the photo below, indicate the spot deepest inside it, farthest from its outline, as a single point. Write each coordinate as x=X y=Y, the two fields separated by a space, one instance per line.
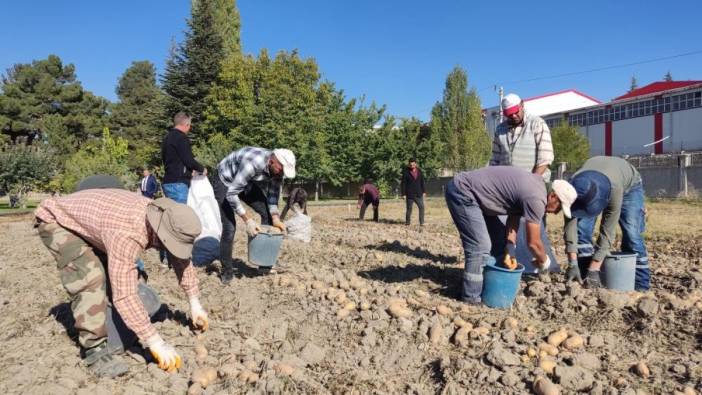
x=630 y=135
x=685 y=129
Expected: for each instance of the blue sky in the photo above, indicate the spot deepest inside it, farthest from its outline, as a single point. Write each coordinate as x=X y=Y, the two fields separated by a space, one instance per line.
x=396 y=53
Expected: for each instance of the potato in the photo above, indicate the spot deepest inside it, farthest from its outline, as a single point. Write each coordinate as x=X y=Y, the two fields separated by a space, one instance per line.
x=204 y=376
x=460 y=338
x=399 y=311
x=556 y=338
x=356 y=283
x=331 y=293
x=531 y=352
x=350 y=306
x=248 y=376
x=689 y=391
x=195 y=389
x=548 y=349
x=365 y=306
x=574 y=342
x=642 y=369
x=479 y=331
x=544 y=386
x=363 y=291
x=459 y=322
x=283 y=369
x=342 y=313
x=317 y=285
x=525 y=358
x=510 y=323
x=444 y=310
x=547 y=365
x=435 y=333
x=398 y=301
x=421 y=293
x=344 y=285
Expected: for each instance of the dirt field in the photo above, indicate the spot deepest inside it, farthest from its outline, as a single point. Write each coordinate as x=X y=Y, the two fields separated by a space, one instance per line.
x=291 y=331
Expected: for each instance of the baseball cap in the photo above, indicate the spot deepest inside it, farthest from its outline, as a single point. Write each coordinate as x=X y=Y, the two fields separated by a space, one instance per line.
x=593 y=190
x=566 y=194
x=287 y=159
x=510 y=104
x=176 y=225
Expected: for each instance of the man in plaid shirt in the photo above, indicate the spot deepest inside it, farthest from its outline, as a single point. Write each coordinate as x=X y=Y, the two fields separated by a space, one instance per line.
x=96 y=234
x=252 y=175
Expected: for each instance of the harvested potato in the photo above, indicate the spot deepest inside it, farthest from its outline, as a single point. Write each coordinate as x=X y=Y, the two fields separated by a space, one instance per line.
x=344 y=285
x=421 y=293
x=363 y=291
x=479 y=331
x=547 y=365
x=204 y=376
x=365 y=306
x=574 y=342
x=544 y=386
x=195 y=389
x=556 y=338
x=444 y=310
x=398 y=301
x=248 y=377
x=549 y=349
x=531 y=352
x=460 y=338
x=356 y=283
x=399 y=311
x=460 y=322
x=525 y=358
x=435 y=333
x=642 y=369
x=317 y=285
x=340 y=298
x=350 y=306
x=510 y=323
x=342 y=313
x=283 y=369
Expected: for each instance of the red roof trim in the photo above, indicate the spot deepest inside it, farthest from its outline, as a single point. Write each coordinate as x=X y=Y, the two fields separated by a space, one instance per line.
x=656 y=87
x=564 y=91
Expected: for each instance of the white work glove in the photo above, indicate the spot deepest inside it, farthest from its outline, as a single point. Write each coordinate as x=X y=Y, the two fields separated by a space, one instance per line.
x=542 y=266
x=252 y=227
x=198 y=314
x=277 y=223
x=165 y=355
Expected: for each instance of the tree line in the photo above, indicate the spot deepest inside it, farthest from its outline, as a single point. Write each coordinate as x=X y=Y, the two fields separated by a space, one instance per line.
x=50 y=123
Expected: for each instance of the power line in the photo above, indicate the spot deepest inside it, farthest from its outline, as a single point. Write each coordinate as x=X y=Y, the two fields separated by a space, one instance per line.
x=596 y=69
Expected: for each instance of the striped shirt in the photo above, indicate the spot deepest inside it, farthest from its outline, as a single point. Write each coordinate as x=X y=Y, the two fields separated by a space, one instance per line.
x=114 y=221
x=525 y=146
x=249 y=164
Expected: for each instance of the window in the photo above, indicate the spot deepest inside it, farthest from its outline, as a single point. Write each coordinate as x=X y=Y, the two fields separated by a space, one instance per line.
x=647 y=107
x=617 y=114
x=698 y=97
x=667 y=104
x=676 y=103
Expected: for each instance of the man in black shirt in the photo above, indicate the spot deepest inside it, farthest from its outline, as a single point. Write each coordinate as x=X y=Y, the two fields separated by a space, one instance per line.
x=178 y=160
x=412 y=187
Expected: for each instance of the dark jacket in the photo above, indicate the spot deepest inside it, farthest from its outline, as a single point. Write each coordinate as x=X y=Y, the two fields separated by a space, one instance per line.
x=151 y=186
x=177 y=156
x=409 y=186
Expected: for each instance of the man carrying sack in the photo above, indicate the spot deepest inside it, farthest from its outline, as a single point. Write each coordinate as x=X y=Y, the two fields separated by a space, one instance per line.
x=118 y=224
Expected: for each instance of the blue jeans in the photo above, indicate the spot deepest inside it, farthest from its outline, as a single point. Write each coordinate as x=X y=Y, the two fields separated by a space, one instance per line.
x=468 y=218
x=632 y=221
x=177 y=191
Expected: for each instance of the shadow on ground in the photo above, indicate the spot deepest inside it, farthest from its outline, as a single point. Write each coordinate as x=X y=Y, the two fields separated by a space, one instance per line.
x=417 y=252
x=449 y=278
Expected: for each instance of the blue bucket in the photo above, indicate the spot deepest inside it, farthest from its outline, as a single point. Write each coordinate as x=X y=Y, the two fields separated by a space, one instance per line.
x=500 y=285
x=619 y=271
x=265 y=248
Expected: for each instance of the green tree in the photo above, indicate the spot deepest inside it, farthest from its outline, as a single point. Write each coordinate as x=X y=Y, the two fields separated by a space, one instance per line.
x=569 y=146
x=44 y=99
x=668 y=77
x=457 y=120
x=634 y=83
x=24 y=168
x=194 y=66
x=107 y=155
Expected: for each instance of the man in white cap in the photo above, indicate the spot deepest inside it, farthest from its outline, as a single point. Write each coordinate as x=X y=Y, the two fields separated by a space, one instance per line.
x=95 y=236
x=252 y=175
x=522 y=140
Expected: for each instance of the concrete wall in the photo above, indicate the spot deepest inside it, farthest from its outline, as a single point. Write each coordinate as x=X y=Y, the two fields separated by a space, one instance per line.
x=685 y=129
x=596 y=135
x=630 y=135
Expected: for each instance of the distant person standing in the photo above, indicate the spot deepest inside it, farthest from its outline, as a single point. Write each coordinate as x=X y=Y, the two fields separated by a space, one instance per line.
x=178 y=160
x=412 y=187
x=368 y=194
x=523 y=140
x=148 y=185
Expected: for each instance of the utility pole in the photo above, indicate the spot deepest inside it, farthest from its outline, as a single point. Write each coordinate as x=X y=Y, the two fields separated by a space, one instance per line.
x=501 y=93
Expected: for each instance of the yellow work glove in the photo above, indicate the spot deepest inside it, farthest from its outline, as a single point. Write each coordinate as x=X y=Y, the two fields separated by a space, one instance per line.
x=165 y=355
x=198 y=314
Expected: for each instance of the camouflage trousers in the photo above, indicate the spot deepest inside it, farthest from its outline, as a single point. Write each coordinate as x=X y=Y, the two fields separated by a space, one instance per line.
x=83 y=276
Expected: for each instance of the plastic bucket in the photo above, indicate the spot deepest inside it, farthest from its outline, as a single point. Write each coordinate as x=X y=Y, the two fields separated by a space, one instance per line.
x=619 y=271
x=500 y=285
x=264 y=248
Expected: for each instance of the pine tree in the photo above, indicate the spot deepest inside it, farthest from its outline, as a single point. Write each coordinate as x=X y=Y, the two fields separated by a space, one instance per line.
x=634 y=84
x=138 y=117
x=668 y=77
x=195 y=65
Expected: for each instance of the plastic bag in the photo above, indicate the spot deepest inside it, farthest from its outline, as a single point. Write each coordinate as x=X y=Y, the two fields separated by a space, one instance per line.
x=299 y=226
x=202 y=200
